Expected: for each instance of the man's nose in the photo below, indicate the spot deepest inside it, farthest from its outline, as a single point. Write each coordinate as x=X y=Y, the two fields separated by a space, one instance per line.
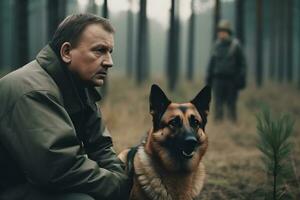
x=108 y=61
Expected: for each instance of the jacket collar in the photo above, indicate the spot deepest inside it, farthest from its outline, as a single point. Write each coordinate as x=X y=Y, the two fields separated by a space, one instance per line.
x=74 y=101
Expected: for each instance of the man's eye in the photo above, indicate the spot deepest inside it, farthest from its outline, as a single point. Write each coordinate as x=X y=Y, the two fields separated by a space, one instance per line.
x=102 y=50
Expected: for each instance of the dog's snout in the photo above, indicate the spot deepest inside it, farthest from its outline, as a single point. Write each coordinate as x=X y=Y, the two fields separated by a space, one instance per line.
x=190 y=141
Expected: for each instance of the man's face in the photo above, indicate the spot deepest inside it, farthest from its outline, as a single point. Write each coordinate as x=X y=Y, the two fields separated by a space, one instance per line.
x=91 y=57
x=223 y=35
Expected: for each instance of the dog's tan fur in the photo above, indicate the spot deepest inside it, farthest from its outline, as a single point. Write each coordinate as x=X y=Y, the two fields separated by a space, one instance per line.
x=159 y=176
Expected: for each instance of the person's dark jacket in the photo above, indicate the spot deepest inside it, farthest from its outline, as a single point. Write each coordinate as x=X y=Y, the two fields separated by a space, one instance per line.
x=227 y=62
x=52 y=134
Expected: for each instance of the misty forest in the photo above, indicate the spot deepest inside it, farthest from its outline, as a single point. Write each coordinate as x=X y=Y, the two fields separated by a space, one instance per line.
x=170 y=43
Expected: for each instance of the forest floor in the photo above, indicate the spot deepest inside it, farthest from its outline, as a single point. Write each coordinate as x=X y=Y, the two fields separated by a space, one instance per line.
x=233 y=163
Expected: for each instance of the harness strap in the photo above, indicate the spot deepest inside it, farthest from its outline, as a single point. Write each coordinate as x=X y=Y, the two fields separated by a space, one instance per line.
x=130 y=163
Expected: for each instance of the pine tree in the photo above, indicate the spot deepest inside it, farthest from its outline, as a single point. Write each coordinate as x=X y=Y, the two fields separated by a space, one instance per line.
x=276 y=147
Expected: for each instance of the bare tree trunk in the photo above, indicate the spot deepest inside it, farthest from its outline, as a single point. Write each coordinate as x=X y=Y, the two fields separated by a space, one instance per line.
x=56 y=11
x=281 y=31
x=173 y=47
x=284 y=40
x=191 y=41
x=279 y=39
x=217 y=17
x=129 y=67
x=298 y=33
x=142 y=52
x=21 y=32
x=290 y=35
x=273 y=38
x=1 y=33
x=259 y=36
x=105 y=12
x=239 y=20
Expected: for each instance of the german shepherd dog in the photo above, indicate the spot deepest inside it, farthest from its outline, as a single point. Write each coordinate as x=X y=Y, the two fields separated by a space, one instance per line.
x=167 y=165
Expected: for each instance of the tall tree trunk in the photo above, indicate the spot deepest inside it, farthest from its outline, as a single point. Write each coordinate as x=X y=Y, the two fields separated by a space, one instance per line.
x=56 y=11
x=173 y=46
x=273 y=38
x=142 y=52
x=217 y=17
x=129 y=67
x=1 y=33
x=239 y=20
x=259 y=36
x=191 y=41
x=21 y=32
x=290 y=35
x=278 y=38
x=298 y=33
x=105 y=12
x=284 y=40
x=281 y=31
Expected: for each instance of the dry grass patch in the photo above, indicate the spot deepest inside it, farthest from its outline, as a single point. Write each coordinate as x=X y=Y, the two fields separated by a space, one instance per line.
x=234 y=167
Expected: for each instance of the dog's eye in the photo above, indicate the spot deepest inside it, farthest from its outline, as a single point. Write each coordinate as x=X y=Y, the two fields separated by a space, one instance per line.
x=195 y=123
x=175 y=123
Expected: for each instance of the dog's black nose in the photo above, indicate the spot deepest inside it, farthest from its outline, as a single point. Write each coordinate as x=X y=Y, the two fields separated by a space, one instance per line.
x=190 y=141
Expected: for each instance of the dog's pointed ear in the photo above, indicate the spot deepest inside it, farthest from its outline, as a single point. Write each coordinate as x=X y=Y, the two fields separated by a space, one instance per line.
x=202 y=100
x=158 y=100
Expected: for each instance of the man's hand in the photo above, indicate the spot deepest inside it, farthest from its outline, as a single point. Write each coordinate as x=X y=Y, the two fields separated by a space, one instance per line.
x=123 y=155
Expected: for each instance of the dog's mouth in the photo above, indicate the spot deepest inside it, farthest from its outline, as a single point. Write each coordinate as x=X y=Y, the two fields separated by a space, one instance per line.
x=187 y=155
x=188 y=151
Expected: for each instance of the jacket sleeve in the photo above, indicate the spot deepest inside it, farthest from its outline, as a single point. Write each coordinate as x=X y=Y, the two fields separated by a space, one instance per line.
x=98 y=143
x=49 y=152
x=241 y=60
x=241 y=68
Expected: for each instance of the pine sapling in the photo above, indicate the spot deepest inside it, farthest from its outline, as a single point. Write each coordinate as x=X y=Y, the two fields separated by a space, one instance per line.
x=276 y=147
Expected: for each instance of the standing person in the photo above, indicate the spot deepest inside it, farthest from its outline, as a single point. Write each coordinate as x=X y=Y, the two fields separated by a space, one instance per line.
x=226 y=71
x=53 y=142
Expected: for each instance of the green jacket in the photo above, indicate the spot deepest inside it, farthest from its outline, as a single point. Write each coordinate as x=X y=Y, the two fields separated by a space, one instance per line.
x=228 y=63
x=52 y=134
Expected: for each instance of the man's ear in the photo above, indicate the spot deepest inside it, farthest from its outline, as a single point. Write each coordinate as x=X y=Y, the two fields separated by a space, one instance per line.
x=202 y=100
x=158 y=101
x=65 y=52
